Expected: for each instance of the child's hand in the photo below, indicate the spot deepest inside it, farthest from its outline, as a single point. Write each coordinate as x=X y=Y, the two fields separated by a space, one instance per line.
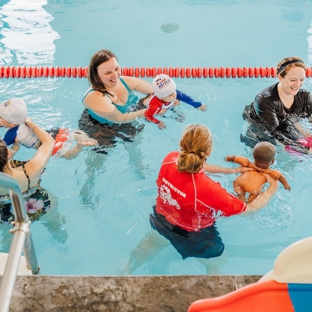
x=229 y=158
x=176 y=102
x=147 y=99
x=162 y=111
x=161 y=125
x=287 y=187
x=203 y=108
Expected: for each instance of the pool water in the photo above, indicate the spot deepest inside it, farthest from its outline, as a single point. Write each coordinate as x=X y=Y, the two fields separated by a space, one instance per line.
x=102 y=202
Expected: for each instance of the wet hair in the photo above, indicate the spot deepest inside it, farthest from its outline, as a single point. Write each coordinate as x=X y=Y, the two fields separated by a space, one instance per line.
x=287 y=63
x=264 y=153
x=4 y=156
x=97 y=59
x=195 y=145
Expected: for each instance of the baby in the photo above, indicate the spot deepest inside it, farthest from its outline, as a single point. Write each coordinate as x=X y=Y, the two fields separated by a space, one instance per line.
x=253 y=181
x=166 y=96
x=13 y=114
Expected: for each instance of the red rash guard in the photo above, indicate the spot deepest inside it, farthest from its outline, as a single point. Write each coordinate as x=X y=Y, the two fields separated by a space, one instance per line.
x=192 y=201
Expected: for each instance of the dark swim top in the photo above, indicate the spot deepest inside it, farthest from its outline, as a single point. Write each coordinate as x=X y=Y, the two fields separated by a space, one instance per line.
x=269 y=110
x=128 y=107
x=5 y=199
x=36 y=199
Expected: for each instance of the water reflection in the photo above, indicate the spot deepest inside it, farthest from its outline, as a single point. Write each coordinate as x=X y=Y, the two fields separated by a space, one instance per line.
x=26 y=35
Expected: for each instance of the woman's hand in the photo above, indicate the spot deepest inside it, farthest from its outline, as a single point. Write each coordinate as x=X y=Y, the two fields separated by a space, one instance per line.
x=241 y=169
x=264 y=197
x=270 y=180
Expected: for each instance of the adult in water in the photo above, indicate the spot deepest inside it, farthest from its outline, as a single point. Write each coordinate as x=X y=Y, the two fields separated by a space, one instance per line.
x=112 y=114
x=189 y=203
x=28 y=176
x=278 y=112
x=111 y=106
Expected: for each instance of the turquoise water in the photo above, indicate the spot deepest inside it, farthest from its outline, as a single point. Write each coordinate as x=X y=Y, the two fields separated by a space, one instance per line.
x=102 y=202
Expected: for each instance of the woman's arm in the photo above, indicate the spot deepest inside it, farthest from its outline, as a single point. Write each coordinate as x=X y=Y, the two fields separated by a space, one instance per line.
x=302 y=130
x=284 y=131
x=14 y=149
x=42 y=155
x=264 y=197
x=138 y=85
x=265 y=109
x=219 y=169
x=103 y=107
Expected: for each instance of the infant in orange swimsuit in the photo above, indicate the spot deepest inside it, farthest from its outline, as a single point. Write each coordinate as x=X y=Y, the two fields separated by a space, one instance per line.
x=253 y=181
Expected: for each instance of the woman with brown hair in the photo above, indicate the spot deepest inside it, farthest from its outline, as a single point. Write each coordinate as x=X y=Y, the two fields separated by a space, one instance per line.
x=111 y=105
x=277 y=110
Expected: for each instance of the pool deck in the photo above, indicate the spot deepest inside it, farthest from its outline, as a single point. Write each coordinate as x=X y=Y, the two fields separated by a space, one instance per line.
x=119 y=293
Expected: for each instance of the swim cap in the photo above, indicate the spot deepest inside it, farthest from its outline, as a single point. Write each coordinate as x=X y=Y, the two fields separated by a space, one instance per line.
x=163 y=86
x=14 y=111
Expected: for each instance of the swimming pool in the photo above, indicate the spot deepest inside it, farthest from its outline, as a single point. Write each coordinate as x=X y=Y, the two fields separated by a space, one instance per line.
x=102 y=202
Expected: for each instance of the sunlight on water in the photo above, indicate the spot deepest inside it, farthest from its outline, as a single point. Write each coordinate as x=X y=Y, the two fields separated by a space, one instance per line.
x=27 y=37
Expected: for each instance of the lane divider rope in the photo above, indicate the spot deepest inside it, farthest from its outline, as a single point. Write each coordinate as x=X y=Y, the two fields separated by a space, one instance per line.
x=178 y=72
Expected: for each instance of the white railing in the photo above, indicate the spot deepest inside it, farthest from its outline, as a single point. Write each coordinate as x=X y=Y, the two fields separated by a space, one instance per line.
x=21 y=242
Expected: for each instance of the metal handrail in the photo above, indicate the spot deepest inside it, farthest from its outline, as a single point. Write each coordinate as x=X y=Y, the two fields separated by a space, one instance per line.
x=22 y=242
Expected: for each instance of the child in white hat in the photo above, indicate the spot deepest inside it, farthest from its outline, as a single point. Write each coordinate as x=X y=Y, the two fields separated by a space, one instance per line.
x=166 y=96
x=13 y=114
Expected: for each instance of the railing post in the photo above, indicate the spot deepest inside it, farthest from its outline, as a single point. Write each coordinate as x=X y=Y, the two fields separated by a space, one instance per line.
x=22 y=240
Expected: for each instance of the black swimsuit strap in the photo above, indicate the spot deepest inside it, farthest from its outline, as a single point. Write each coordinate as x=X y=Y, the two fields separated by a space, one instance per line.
x=27 y=176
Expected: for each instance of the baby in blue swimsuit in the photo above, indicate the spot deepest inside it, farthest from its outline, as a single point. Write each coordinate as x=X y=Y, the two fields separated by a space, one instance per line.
x=13 y=114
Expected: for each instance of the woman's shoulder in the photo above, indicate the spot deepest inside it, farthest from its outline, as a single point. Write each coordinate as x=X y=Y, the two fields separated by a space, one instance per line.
x=130 y=82
x=92 y=99
x=268 y=91
x=172 y=154
x=304 y=92
x=267 y=97
x=171 y=157
x=18 y=174
x=91 y=93
x=204 y=183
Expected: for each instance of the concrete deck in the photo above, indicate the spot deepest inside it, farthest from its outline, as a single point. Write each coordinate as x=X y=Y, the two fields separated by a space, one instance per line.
x=119 y=293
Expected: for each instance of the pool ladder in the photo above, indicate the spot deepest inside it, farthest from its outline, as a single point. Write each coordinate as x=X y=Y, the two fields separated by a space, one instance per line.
x=21 y=242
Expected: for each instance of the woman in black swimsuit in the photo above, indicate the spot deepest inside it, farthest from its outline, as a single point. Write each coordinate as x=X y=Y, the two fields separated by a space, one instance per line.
x=277 y=110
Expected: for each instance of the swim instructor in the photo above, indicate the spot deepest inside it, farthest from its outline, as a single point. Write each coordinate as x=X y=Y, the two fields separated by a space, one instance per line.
x=189 y=202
